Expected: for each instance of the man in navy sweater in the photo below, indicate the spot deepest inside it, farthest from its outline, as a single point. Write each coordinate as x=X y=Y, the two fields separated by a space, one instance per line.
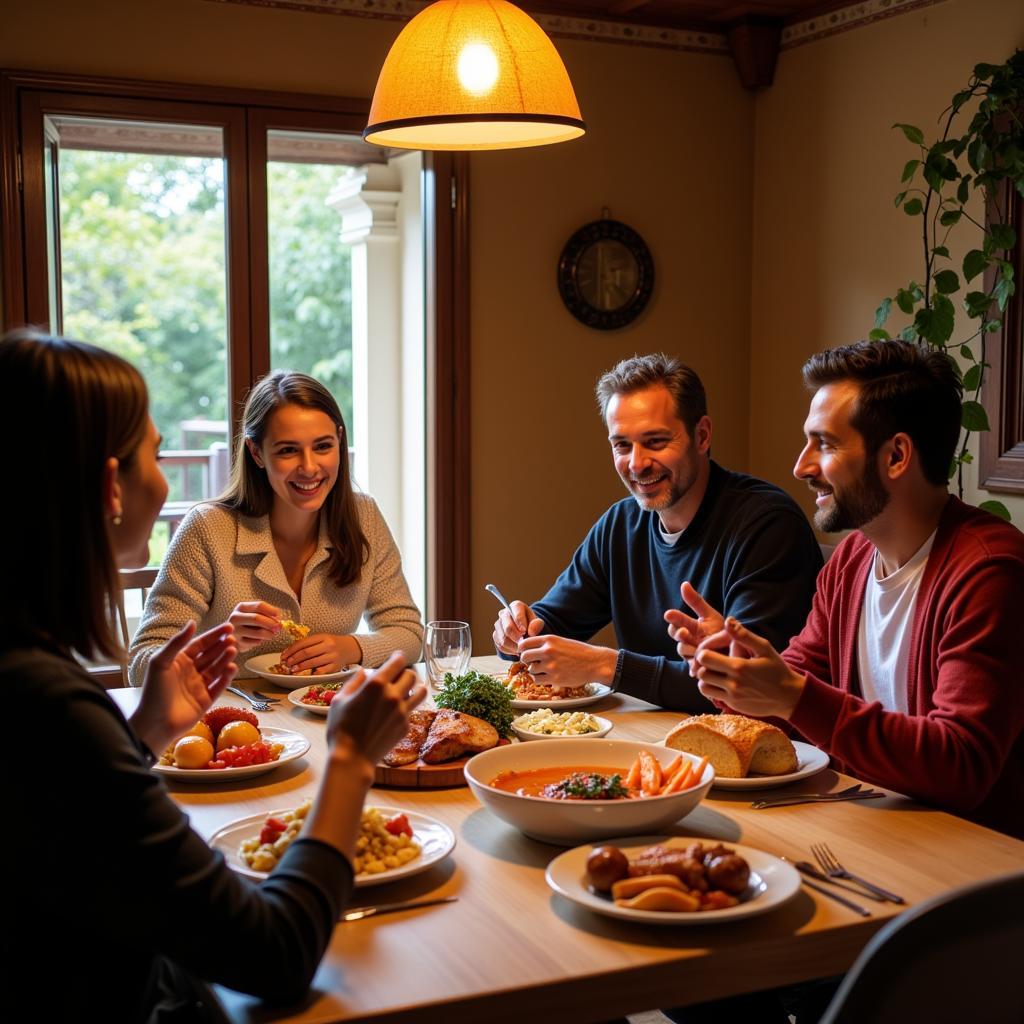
x=742 y=543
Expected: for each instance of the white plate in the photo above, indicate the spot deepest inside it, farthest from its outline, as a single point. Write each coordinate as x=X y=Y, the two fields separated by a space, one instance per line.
x=810 y=760
x=262 y=662
x=295 y=745
x=597 y=691
x=296 y=698
x=436 y=838
x=772 y=882
x=604 y=723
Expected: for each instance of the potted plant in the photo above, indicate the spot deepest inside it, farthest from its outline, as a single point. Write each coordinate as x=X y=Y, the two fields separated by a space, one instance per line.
x=939 y=184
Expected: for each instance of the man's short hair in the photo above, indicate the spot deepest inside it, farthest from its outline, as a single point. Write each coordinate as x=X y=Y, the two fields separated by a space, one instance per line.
x=642 y=372
x=904 y=388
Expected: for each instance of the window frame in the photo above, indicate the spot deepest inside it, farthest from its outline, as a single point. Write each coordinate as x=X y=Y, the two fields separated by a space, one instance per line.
x=243 y=114
x=1001 y=448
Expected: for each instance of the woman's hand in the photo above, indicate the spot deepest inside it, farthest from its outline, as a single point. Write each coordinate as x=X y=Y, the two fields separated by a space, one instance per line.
x=370 y=714
x=183 y=680
x=254 y=622
x=321 y=653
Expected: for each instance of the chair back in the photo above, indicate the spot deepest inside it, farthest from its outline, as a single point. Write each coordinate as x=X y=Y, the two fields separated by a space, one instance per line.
x=114 y=676
x=950 y=960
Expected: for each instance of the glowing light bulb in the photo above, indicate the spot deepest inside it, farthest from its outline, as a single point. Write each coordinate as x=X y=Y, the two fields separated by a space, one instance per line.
x=477 y=68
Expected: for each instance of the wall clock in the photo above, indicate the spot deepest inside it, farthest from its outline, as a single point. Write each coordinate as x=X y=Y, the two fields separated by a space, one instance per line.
x=605 y=274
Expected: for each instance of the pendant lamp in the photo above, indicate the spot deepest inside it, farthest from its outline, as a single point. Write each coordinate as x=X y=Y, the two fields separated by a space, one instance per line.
x=473 y=74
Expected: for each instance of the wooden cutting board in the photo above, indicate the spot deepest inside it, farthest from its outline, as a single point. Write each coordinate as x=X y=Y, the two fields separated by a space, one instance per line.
x=418 y=775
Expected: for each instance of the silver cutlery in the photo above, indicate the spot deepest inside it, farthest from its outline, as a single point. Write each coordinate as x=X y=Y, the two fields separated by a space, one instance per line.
x=269 y=698
x=357 y=913
x=807 y=868
x=498 y=594
x=855 y=907
x=852 y=793
x=831 y=866
x=257 y=705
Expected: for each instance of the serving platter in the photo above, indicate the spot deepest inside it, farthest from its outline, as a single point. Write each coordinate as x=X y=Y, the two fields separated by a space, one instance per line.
x=295 y=745
x=772 y=883
x=435 y=837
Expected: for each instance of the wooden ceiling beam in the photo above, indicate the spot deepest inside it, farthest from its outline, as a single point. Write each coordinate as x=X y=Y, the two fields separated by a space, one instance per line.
x=755 y=48
x=620 y=7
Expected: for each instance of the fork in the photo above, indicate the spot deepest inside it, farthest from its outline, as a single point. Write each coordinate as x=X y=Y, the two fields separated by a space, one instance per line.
x=831 y=866
x=257 y=705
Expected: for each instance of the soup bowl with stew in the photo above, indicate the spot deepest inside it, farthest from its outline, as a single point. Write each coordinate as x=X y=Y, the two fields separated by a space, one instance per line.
x=536 y=787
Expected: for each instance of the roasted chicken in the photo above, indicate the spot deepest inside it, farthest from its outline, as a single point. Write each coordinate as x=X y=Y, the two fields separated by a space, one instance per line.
x=407 y=749
x=453 y=734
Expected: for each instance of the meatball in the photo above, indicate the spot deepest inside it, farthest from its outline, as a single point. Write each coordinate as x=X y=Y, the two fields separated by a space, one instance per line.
x=729 y=873
x=606 y=865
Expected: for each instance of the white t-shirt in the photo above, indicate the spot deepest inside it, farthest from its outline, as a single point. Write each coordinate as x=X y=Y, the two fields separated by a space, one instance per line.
x=883 y=639
x=669 y=538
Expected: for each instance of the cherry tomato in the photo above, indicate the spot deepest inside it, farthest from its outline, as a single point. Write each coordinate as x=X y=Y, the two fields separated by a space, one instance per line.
x=399 y=825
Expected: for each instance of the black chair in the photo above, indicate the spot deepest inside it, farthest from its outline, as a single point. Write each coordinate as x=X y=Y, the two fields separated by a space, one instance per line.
x=953 y=960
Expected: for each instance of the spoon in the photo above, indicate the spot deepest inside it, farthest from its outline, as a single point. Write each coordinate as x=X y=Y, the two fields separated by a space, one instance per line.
x=501 y=597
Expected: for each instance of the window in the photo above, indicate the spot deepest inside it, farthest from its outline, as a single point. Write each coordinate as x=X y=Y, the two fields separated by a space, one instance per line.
x=235 y=193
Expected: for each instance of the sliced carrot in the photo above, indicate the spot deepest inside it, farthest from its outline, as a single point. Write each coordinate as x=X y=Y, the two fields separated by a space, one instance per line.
x=698 y=772
x=669 y=773
x=633 y=778
x=679 y=780
x=650 y=773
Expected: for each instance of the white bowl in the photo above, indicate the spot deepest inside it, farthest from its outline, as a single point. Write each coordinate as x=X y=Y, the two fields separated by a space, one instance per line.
x=525 y=734
x=568 y=822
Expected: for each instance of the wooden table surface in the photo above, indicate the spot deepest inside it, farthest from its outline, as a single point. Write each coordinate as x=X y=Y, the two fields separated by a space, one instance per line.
x=511 y=949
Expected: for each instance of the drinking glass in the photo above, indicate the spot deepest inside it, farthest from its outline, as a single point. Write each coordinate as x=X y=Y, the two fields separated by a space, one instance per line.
x=447 y=647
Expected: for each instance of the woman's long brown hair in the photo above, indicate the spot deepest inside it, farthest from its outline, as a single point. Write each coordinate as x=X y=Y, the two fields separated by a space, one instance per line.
x=249 y=490
x=69 y=407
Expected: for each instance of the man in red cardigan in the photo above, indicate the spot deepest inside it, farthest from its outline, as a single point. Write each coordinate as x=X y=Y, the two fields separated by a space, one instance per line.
x=908 y=669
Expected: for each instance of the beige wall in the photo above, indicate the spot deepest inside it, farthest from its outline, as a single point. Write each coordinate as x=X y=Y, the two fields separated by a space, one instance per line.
x=828 y=243
x=676 y=167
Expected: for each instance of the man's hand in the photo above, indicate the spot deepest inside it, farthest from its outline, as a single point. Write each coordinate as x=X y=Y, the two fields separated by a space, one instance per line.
x=183 y=680
x=254 y=622
x=687 y=631
x=561 y=663
x=321 y=652
x=510 y=629
x=752 y=678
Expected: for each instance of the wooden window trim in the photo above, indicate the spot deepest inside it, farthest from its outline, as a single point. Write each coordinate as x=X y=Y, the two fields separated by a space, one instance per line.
x=248 y=290
x=1001 y=448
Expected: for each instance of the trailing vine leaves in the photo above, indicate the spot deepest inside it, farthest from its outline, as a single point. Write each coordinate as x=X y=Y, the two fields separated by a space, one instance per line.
x=939 y=185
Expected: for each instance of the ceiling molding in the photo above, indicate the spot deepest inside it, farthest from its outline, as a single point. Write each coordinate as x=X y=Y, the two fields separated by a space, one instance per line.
x=561 y=26
x=797 y=33
x=856 y=15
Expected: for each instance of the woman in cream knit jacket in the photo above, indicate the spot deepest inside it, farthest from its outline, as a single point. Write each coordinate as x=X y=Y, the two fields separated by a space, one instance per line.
x=288 y=540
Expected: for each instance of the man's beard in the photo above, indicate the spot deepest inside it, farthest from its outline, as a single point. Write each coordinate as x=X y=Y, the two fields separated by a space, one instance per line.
x=677 y=488
x=857 y=506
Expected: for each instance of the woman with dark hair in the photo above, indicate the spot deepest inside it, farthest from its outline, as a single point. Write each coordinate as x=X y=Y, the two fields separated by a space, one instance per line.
x=288 y=540
x=119 y=908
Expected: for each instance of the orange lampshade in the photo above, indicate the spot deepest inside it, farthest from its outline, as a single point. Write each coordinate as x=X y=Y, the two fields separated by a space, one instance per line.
x=473 y=74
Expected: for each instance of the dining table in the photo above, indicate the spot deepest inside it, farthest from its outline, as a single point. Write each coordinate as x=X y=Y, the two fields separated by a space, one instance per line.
x=510 y=949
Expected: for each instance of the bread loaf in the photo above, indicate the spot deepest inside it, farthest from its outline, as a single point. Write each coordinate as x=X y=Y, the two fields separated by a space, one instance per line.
x=735 y=745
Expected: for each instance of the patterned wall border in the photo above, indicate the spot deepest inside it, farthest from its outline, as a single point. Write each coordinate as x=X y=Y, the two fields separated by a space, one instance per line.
x=855 y=15
x=555 y=25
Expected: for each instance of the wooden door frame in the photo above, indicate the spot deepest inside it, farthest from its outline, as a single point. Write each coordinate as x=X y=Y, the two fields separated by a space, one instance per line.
x=22 y=93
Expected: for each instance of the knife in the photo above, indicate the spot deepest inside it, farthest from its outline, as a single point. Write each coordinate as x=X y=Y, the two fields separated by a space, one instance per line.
x=856 y=907
x=807 y=868
x=807 y=798
x=358 y=913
